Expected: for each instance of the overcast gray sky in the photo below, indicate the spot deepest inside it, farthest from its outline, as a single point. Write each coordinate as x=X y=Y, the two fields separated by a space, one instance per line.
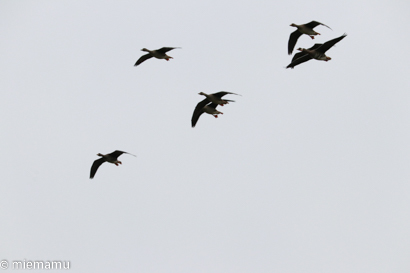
x=308 y=171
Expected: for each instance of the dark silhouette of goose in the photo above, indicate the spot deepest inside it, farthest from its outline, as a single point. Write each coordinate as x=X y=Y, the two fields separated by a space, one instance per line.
x=157 y=53
x=217 y=97
x=302 y=29
x=209 y=104
x=315 y=52
x=111 y=158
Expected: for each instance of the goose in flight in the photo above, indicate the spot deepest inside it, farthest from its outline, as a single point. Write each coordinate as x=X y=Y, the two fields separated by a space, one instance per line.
x=157 y=53
x=111 y=158
x=204 y=107
x=302 y=29
x=217 y=97
x=315 y=52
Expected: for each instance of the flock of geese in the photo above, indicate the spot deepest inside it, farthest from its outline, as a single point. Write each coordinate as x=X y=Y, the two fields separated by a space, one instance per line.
x=211 y=101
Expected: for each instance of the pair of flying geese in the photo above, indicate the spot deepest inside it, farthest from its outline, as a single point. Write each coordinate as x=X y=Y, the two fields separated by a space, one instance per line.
x=211 y=101
x=315 y=52
x=208 y=105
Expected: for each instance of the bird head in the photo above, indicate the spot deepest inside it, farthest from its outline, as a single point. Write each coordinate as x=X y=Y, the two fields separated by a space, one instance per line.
x=144 y=49
x=100 y=154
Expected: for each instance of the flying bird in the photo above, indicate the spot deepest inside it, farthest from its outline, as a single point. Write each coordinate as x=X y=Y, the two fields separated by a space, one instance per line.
x=315 y=52
x=204 y=107
x=111 y=158
x=217 y=97
x=209 y=104
x=157 y=53
x=302 y=29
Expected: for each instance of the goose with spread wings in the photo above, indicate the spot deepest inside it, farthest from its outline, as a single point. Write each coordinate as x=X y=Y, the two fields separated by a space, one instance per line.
x=302 y=29
x=217 y=97
x=157 y=53
x=111 y=158
x=315 y=52
x=204 y=107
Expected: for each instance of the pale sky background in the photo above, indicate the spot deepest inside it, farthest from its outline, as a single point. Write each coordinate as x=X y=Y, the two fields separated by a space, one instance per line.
x=308 y=171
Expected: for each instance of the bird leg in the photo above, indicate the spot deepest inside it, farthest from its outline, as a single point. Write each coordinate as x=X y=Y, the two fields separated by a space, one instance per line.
x=313 y=37
x=215 y=116
x=116 y=164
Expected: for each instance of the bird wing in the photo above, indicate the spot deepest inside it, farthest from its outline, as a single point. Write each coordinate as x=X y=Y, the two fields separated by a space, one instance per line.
x=326 y=46
x=298 y=55
x=199 y=109
x=293 y=38
x=164 y=50
x=143 y=58
x=315 y=24
x=212 y=105
x=299 y=60
x=116 y=154
x=95 y=166
x=222 y=93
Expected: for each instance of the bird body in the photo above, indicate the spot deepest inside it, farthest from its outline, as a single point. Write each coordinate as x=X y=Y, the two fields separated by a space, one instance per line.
x=315 y=52
x=211 y=109
x=217 y=97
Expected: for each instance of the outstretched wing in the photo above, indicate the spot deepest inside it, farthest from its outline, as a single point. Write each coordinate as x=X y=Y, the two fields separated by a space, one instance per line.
x=302 y=59
x=315 y=24
x=298 y=55
x=164 y=50
x=326 y=46
x=143 y=58
x=95 y=166
x=199 y=109
x=294 y=36
x=222 y=93
x=116 y=154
